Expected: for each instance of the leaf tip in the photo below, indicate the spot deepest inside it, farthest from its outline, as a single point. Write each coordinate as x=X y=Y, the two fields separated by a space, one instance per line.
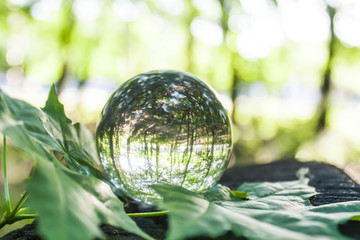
x=240 y=195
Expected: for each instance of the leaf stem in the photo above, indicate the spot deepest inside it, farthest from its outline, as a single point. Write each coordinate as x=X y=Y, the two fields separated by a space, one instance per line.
x=22 y=200
x=12 y=215
x=17 y=213
x=15 y=218
x=148 y=214
x=23 y=210
x=6 y=186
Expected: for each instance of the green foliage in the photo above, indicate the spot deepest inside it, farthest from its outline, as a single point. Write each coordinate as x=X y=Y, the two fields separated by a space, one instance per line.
x=217 y=193
x=75 y=142
x=66 y=41
x=53 y=130
x=62 y=198
x=71 y=202
x=278 y=210
x=71 y=199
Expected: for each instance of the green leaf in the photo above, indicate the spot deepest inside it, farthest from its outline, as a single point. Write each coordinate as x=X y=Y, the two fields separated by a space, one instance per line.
x=73 y=205
x=15 y=118
x=218 y=193
x=53 y=130
x=240 y=195
x=355 y=218
x=69 y=205
x=75 y=142
x=275 y=211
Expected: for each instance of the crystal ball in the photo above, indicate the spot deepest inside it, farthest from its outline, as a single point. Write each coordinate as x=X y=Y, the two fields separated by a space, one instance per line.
x=163 y=127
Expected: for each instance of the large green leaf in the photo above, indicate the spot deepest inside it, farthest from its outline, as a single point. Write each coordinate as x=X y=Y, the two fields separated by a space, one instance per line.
x=53 y=130
x=14 y=111
x=69 y=205
x=275 y=211
x=75 y=142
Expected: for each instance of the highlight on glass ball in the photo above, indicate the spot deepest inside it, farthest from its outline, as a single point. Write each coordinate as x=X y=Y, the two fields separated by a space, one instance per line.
x=163 y=127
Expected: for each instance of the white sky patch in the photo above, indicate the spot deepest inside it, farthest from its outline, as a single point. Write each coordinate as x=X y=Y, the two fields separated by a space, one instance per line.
x=156 y=23
x=210 y=9
x=87 y=99
x=126 y=10
x=21 y=2
x=45 y=9
x=87 y=10
x=15 y=49
x=305 y=20
x=251 y=47
x=14 y=56
x=259 y=34
x=14 y=76
x=70 y=98
x=347 y=22
x=174 y=7
x=255 y=6
x=259 y=28
x=207 y=32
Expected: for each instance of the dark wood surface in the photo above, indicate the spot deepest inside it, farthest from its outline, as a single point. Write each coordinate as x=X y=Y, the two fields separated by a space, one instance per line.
x=333 y=184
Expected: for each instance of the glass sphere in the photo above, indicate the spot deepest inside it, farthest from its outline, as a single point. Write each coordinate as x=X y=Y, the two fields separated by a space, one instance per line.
x=163 y=127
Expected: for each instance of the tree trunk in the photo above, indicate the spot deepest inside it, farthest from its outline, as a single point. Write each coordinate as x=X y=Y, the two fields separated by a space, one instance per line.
x=191 y=40
x=326 y=84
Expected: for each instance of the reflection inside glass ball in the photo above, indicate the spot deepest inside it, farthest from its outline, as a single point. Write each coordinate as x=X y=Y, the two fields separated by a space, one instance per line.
x=163 y=127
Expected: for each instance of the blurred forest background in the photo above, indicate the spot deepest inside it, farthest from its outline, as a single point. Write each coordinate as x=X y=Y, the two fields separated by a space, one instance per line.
x=287 y=70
